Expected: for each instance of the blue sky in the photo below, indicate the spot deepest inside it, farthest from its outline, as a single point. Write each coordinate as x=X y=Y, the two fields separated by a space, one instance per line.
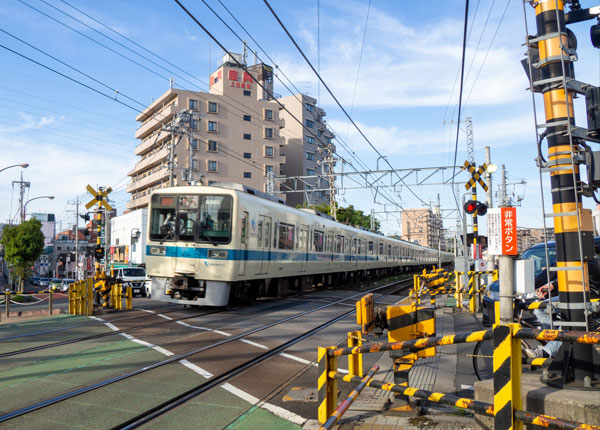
x=405 y=100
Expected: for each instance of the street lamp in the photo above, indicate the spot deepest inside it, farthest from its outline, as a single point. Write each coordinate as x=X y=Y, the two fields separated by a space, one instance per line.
x=35 y=198
x=24 y=166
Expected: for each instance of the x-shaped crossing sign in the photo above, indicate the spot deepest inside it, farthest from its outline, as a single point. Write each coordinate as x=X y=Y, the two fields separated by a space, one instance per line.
x=99 y=197
x=475 y=175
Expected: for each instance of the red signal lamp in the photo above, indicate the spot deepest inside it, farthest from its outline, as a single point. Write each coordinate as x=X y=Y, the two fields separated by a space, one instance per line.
x=473 y=206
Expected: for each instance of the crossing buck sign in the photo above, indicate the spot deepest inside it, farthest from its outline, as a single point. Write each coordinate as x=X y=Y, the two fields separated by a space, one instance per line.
x=100 y=197
x=476 y=174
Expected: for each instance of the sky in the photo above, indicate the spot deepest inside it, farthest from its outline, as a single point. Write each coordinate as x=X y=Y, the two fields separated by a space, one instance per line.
x=74 y=74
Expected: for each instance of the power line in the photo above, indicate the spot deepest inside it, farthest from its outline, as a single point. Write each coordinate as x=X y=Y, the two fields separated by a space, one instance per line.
x=334 y=97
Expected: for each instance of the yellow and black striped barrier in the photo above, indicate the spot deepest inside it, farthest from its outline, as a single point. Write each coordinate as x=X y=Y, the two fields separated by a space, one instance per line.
x=343 y=407
x=365 y=313
x=507 y=377
x=355 y=363
x=326 y=387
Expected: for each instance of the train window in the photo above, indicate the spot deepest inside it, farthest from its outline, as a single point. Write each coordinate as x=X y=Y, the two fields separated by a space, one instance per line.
x=286 y=236
x=215 y=219
x=389 y=254
x=396 y=251
x=353 y=246
x=330 y=243
x=359 y=249
x=318 y=239
x=380 y=248
x=162 y=224
x=371 y=247
x=244 y=228
x=339 y=244
x=267 y=233
x=259 y=233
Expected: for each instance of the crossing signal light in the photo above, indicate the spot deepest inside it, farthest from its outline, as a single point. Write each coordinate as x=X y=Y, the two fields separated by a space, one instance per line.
x=99 y=252
x=473 y=206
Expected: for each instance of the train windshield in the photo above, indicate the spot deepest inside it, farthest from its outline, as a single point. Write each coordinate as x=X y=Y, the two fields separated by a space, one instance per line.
x=189 y=218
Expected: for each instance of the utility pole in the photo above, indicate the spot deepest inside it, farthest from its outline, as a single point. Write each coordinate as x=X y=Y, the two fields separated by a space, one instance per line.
x=503 y=199
x=328 y=163
x=488 y=178
x=471 y=157
x=22 y=186
x=77 y=238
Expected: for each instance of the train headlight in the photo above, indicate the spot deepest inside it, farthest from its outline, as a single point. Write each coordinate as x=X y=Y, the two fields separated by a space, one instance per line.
x=158 y=250
x=217 y=253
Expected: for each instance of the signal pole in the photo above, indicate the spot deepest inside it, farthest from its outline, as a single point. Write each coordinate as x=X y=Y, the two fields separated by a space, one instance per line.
x=572 y=223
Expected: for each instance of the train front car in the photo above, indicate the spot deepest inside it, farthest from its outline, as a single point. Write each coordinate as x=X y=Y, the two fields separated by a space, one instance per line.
x=189 y=252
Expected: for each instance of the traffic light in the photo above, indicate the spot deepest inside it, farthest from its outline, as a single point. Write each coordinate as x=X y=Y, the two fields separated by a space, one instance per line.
x=99 y=252
x=85 y=217
x=473 y=205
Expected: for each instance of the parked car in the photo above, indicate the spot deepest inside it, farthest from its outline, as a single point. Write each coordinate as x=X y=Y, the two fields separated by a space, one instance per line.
x=33 y=280
x=537 y=253
x=134 y=277
x=44 y=282
x=66 y=282
x=55 y=283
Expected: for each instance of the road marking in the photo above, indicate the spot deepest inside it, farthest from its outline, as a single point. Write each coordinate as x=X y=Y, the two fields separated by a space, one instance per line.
x=258 y=345
x=276 y=410
x=111 y=326
x=299 y=359
x=165 y=317
x=142 y=342
x=97 y=319
x=222 y=333
x=162 y=350
x=147 y=310
x=205 y=373
x=127 y=336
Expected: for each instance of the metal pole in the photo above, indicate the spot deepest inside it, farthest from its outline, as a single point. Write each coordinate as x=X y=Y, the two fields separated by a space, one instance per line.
x=506 y=278
x=7 y=302
x=488 y=178
x=76 y=240
x=50 y=302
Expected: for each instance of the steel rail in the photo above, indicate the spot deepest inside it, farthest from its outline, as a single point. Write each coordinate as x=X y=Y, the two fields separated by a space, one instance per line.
x=174 y=358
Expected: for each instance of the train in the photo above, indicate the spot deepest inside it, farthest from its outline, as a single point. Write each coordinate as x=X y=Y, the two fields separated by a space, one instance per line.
x=213 y=245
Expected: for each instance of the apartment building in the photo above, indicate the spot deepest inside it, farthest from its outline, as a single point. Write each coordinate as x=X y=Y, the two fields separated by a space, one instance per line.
x=305 y=134
x=422 y=226
x=232 y=134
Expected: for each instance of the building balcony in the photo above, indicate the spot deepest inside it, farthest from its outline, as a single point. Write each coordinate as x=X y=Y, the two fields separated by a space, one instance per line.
x=150 y=142
x=147 y=181
x=138 y=203
x=150 y=161
x=155 y=122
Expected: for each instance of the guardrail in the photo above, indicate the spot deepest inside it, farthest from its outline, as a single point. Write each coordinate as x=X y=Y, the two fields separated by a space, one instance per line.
x=507 y=406
x=82 y=295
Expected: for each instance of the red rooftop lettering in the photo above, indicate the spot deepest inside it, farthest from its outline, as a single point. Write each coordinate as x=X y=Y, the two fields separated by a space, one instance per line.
x=247 y=77
x=233 y=75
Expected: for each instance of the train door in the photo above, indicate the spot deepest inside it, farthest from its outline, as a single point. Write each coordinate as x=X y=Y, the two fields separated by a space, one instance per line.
x=243 y=244
x=303 y=248
x=264 y=242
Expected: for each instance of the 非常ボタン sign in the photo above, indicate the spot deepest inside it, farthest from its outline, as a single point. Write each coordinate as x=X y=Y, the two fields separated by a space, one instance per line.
x=502 y=231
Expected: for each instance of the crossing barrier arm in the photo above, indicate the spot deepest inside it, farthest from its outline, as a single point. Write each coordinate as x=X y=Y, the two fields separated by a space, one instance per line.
x=343 y=407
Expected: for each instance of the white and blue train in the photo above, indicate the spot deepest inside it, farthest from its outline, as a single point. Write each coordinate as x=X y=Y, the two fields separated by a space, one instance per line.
x=207 y=245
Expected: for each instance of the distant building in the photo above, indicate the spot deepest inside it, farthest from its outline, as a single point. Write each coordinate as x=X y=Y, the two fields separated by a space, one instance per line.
x=235 y=134
x=422 y=226
x=527 y=237
x=44 y=264
x=128 y=238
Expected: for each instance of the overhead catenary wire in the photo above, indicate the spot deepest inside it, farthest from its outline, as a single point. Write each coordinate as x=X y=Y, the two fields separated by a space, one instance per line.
x=336 y=100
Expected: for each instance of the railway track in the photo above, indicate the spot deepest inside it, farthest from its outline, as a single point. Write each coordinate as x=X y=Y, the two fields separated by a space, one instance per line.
x=164 y=406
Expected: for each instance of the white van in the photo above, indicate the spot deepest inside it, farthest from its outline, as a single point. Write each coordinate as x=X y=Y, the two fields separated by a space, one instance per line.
x=134 y=277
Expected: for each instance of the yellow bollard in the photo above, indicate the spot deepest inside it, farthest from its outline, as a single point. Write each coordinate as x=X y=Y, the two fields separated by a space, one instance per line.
x=355 y=364
x=326 y=387
x=507 y=377
x=89 y=297
x=7 y=302
x=129 y=298
x=72 y=299
x=50 y=303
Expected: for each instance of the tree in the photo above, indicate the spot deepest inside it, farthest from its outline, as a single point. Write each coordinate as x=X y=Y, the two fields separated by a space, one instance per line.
x=350 y=216
x=23 y=244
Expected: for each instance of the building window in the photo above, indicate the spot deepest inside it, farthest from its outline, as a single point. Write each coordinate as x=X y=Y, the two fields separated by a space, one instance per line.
x=268 y=151
x=210 y=183
x=212 y=166
x=212 y=146
x=247 y=136
x=309 y=123
x=247 y=118
x=319 y=132
x=268 y=133
x=194 y=164
x=247 y=93
x=247 y=155
x=212 y=126
x=268 y=169
x=212 y=107
x=268 y=114
x=308 y=107
x=310 y=156
x=329 y=140
x=194 y=124
x=310 y=139
x=311 y=172
x=193 y=104
x=247 y=175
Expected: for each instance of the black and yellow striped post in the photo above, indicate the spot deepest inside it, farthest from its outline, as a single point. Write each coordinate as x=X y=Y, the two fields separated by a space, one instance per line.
x=472 y=276
x=327 y=387
x=573 y=227
x=129 y=301
x=355 y=362
x=458 y=291
x=365 y=313
x=507 y=377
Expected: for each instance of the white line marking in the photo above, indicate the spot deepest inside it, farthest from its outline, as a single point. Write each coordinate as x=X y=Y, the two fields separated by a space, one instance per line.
x=198 y=370
x=111 y=326
x=162 y=350
x=127 y=336
x=97 y=319
x=147 y=310
x=299 y=359
x=165 y=317
x=222 y=333
x=143 y=342
x=276 y=410
x=258 y=345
